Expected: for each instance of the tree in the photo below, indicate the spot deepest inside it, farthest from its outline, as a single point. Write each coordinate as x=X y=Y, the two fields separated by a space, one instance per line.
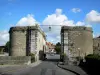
x=58 y=44
x=58 y=48
x=7 y=46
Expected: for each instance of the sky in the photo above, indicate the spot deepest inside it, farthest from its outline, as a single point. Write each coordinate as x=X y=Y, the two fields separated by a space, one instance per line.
x=48 y=12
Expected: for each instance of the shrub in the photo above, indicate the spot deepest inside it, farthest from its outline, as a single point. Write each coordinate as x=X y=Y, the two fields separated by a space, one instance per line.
x=32 y=57
x=93 y=56
x=63 y=55
x=1 y=51
x=92 y=64
x=92 y=60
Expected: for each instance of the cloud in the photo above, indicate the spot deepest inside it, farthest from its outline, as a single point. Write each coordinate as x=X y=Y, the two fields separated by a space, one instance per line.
x=4 y=37
x=76 y=10
x=93 y=17
x=79 y=23
x=96 y=35
x=27 y=21
x=55 y=21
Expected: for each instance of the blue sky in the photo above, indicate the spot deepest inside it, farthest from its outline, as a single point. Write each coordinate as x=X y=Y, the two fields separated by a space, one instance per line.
x=84 y=12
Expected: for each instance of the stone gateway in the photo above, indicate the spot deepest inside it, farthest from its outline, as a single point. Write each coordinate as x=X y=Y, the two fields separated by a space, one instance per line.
x=76 y=41
x=25 y=40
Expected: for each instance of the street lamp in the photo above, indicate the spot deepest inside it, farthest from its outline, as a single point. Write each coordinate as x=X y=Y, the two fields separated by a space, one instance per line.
x=49 y=28
x=79 y=53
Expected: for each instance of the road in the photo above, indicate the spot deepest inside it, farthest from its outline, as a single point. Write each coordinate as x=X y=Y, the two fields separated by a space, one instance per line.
x=47 y=67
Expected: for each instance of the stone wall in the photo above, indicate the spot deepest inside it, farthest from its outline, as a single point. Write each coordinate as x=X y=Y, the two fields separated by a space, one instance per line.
x=80 y=43
x=40 y=43
x=77 y=41
x=25 y=40
x=11 y=60
x=96 y=45
x=18 y=43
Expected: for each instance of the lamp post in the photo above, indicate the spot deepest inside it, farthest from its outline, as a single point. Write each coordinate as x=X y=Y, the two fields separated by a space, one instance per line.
x=79 y=53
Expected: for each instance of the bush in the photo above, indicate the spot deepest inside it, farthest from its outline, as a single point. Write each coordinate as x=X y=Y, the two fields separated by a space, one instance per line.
x=92 y=64
x=63 y=56
x=32 y=57
x=1 y=51
x=93 y=56
x=93 y=60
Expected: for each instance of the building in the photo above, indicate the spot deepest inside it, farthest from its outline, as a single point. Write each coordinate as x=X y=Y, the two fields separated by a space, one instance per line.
x=96 y=45
x=76 y=41
x=25 y=40
x=2 y=49
x=50 y=47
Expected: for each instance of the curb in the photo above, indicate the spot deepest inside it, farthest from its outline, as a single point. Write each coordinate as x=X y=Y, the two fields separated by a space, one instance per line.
x=11 y=71
x=35 y=64
x=70 y=70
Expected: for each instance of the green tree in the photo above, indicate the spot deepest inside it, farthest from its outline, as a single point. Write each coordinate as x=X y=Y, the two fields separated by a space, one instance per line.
x=7 y=46
x=58 y=48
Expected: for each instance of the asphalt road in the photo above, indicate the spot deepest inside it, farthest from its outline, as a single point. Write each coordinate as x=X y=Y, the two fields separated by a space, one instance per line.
x=47 y=67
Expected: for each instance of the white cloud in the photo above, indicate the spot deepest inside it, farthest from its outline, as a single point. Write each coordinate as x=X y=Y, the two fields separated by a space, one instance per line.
x=4 y=37
x=25 y=21
x=28 y=20
x=93 y=17
x=76 y=10
x=56 y=20
x=79 y=23
x=96 y=35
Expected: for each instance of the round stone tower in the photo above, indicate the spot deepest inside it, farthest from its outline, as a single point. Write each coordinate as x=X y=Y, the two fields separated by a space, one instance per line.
x=17 y=41
x=77 y=41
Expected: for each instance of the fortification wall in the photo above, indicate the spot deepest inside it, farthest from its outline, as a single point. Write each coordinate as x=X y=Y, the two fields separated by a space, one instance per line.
x=80 y=40
x=18 y=43
x=12 y=60
x=23 y=40
x=96 y=46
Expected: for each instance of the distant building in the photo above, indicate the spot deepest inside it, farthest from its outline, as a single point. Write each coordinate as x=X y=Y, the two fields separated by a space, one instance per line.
x=96 y=45
x=76 y=41
x=25 y=40
x=2 y=49
x=50 y=47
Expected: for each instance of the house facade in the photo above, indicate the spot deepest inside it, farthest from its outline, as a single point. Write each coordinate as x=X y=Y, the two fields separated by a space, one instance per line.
x=50 y=47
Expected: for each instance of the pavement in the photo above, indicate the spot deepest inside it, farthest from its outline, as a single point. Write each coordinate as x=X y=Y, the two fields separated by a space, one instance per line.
x=75 y=69
x=12 y=69
x=47 y=67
